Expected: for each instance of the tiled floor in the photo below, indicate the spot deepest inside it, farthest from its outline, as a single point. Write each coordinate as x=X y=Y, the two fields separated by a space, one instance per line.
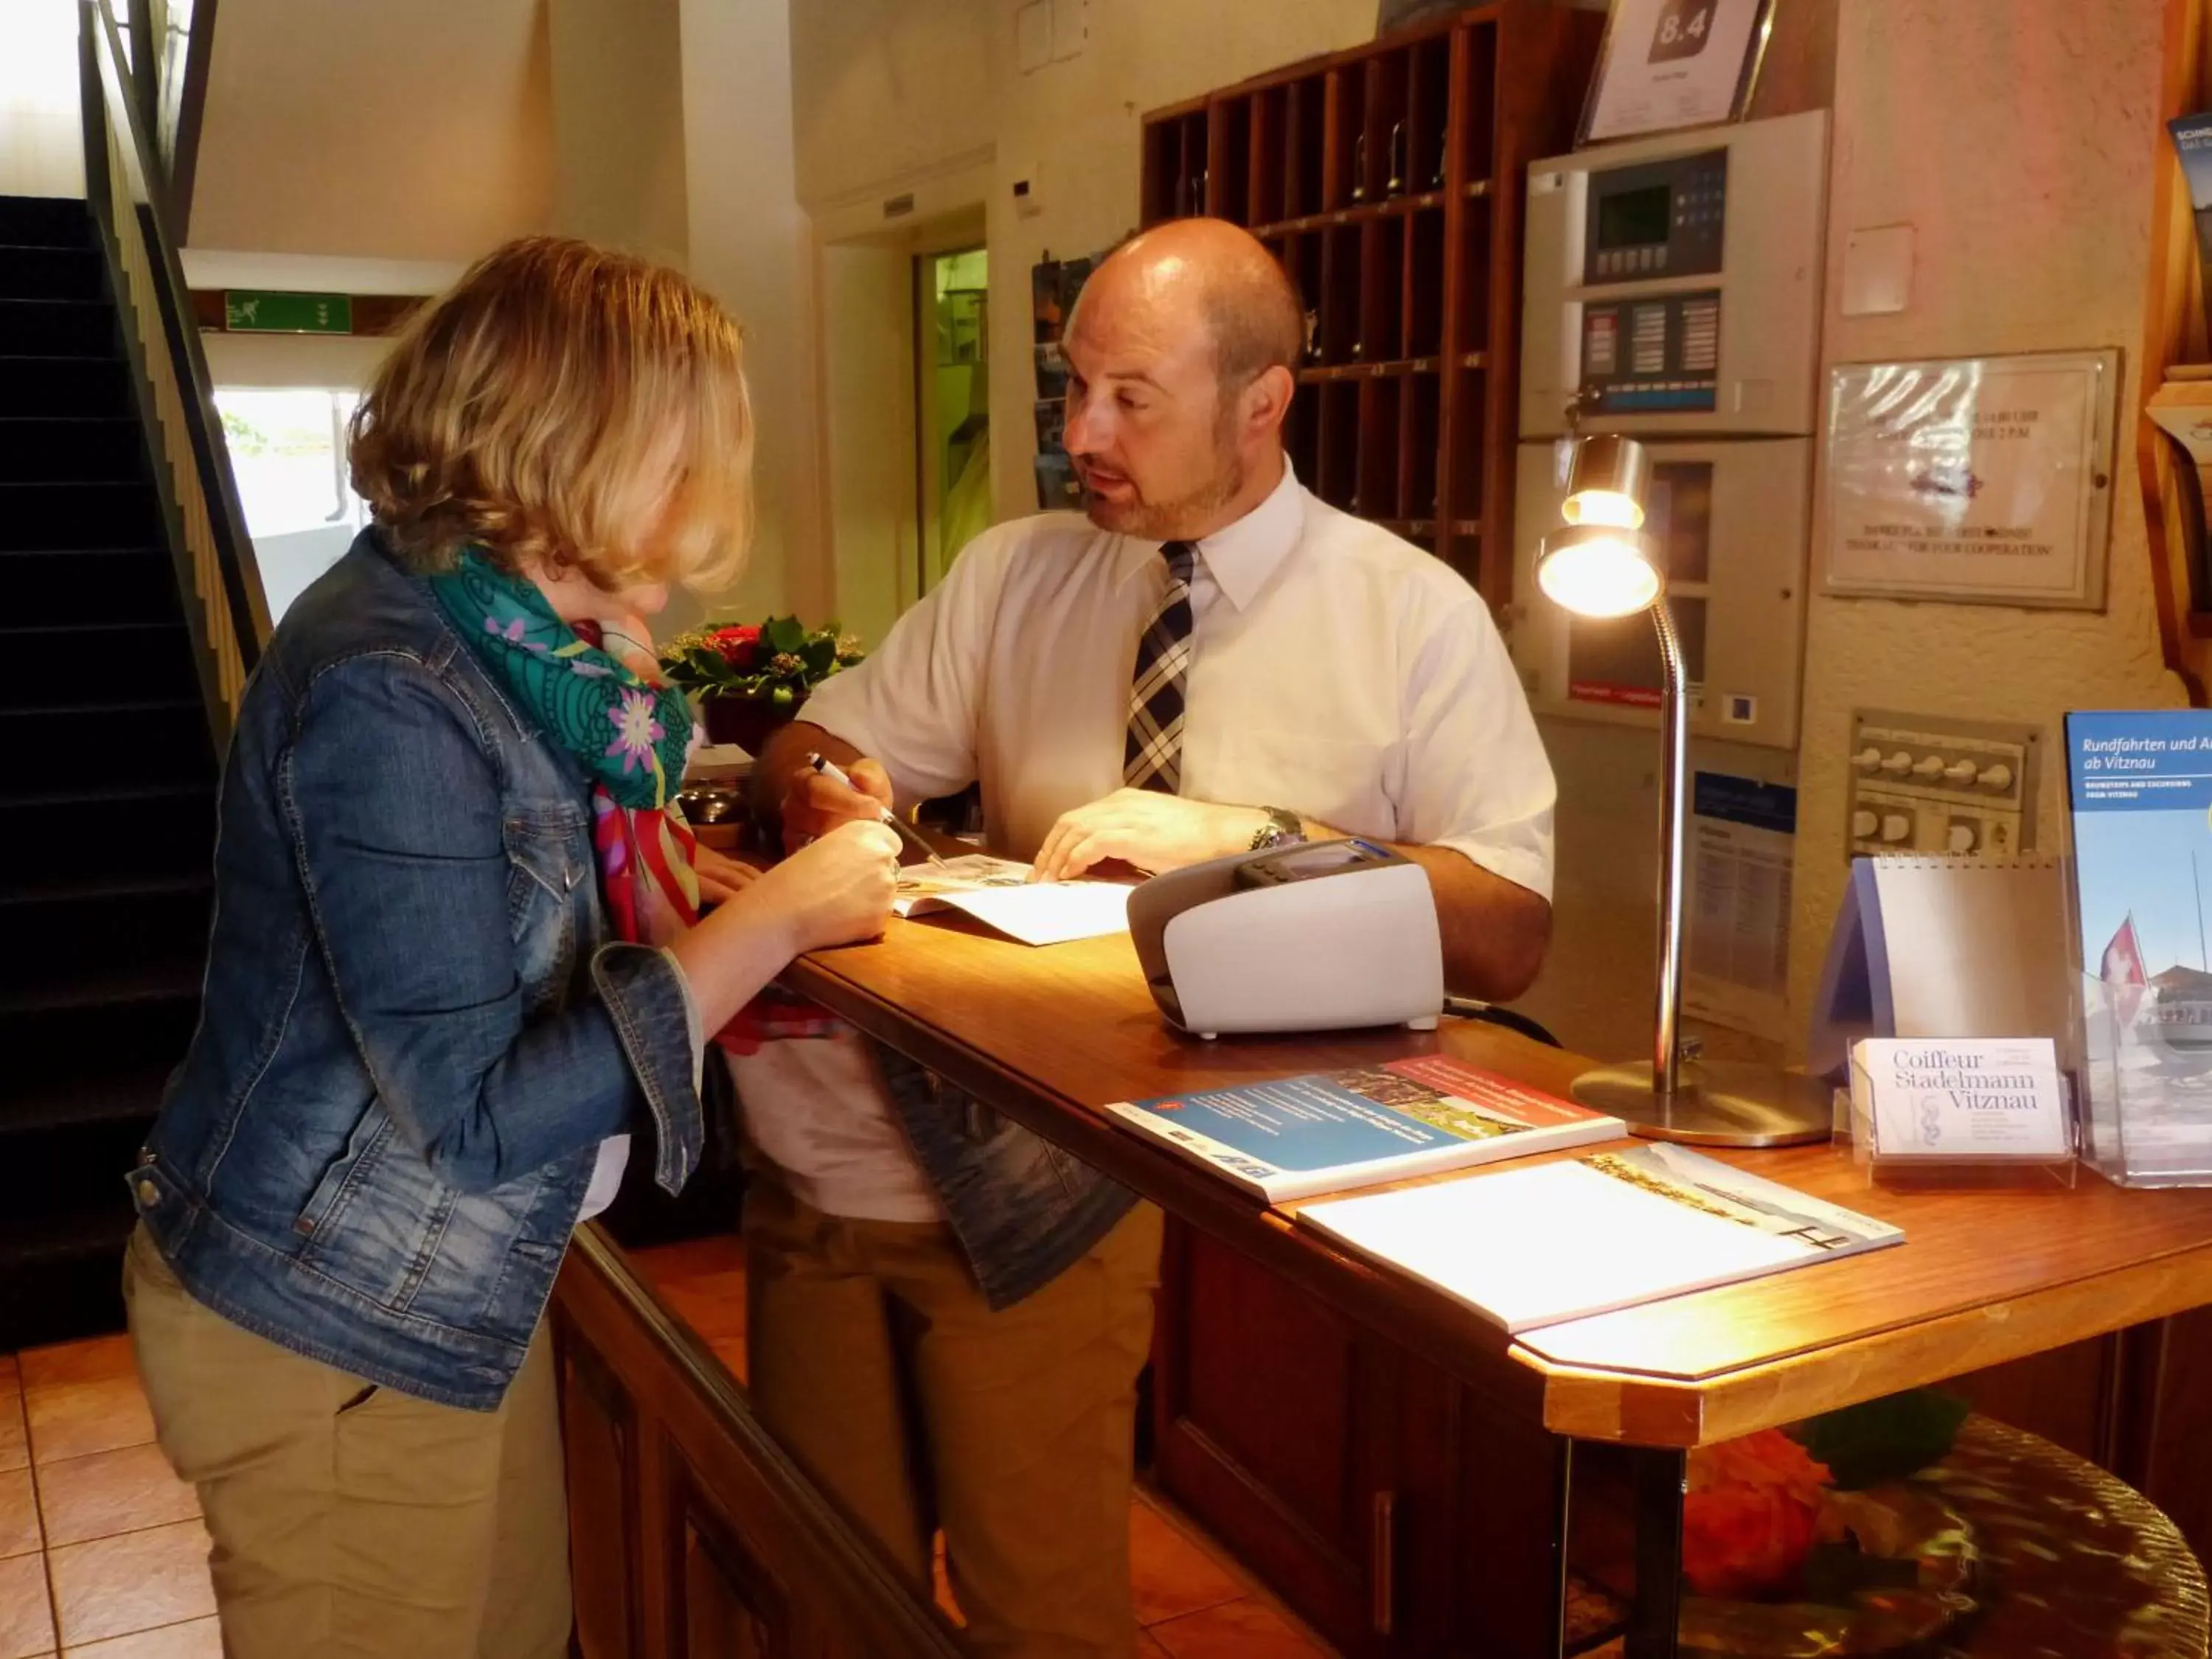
x=1193 y=1602
x=102 y=1555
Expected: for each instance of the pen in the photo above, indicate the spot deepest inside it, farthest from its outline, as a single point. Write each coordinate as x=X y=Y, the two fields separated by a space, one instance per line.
x=907 y=833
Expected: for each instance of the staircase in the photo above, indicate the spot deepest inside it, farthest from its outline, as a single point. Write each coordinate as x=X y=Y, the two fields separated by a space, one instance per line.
x=107 y=776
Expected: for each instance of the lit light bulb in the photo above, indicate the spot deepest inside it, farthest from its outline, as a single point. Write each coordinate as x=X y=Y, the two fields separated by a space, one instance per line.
x=1607 y=507
x=1598 y=571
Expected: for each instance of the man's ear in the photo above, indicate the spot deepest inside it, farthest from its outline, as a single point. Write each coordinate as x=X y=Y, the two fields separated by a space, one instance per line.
x=1267 y=401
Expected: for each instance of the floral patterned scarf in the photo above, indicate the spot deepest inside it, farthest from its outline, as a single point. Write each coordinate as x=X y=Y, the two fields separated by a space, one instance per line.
x=633 y=737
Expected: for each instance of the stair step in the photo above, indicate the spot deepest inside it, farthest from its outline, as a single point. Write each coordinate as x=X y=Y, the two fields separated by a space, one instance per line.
x=132 y=662
x=92 y=585
x=51 y=450
x=56 y=518
x=61 y=1277
x=90 y=1093
x=162 y=833
x=44 y=221
x=162 y=980
x=48 y=887
x=69 y=1163
x=119 y=796
x=53 y=1050
x=64 y=386
x=52 y=273
x=56 y=946
x=71 y=747
x=58 y=328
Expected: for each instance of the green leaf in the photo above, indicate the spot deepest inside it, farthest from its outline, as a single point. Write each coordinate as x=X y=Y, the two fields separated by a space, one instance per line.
x=1884 y=1439
x=818 y=655
x=783 y=634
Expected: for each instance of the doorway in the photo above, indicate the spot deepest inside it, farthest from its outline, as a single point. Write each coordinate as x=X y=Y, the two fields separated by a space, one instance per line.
x=952 y=405
x=905 y=364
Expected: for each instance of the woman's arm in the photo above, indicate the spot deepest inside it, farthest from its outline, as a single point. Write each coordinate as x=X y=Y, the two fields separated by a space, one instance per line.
x=399 y=836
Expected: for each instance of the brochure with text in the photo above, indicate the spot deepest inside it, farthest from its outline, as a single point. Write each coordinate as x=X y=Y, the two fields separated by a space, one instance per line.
x=1330 y=1132
x=2140 y=785
x=1561 y=1241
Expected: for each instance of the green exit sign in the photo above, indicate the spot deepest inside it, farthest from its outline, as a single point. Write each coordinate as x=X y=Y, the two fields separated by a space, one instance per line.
x=246 y=310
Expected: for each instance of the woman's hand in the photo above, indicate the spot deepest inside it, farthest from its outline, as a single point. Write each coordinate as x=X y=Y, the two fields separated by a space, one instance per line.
x=836 y=890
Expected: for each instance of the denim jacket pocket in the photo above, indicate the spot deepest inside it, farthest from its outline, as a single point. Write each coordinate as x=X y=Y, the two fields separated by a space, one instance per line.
x=348 y=1173
x=548 y=865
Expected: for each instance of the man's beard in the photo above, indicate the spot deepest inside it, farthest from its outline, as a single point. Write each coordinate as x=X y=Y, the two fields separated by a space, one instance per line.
x=1168 y=520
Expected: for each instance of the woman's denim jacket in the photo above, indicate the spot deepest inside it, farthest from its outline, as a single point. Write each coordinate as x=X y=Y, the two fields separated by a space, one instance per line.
x=414 y=1032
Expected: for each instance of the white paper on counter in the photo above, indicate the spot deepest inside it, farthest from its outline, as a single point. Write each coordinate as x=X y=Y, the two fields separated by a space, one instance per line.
x=999 y=893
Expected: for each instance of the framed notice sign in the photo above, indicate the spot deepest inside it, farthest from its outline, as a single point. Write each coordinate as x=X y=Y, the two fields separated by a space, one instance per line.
x=1670 y=63
x=1981 y=480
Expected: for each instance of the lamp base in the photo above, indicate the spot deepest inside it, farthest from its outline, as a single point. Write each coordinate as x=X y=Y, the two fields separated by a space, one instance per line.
x=1716 y=1103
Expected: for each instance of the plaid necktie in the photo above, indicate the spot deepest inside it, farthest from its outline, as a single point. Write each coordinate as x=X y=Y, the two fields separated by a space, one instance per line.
x=1154 y=757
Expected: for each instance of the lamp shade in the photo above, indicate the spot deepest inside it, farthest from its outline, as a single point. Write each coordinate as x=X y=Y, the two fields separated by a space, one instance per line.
x=1607 y=482
x=1599 y=570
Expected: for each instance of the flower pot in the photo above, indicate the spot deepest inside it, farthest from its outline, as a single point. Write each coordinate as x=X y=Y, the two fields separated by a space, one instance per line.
x=749 y=722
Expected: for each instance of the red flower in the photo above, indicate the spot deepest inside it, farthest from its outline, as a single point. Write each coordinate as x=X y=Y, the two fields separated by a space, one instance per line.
x=738 y=645
x=1748 y=1518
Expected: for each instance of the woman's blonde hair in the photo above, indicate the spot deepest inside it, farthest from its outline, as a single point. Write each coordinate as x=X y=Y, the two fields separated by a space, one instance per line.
x=567 y=405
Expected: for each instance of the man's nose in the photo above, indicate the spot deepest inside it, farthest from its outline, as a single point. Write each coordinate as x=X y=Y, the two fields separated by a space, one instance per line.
x=1083 y=433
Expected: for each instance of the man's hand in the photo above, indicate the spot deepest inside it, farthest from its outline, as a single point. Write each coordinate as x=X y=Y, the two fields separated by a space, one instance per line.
x=814 y=804
x=720 y=876
x=1145 y=827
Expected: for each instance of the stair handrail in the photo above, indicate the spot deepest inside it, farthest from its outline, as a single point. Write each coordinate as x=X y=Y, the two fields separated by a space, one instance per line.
x=183 y=55
x=124 y=189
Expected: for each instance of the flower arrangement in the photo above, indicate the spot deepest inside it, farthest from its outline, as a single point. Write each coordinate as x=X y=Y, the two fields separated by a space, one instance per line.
x=1757 y=1508
x=1751 y=1514
x=776 y=662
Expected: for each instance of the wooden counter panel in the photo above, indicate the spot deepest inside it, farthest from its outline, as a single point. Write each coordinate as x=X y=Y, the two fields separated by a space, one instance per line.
x=1984 y=1278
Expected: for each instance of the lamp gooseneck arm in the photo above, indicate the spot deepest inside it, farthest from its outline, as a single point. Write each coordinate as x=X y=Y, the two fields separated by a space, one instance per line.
x=1673 y=827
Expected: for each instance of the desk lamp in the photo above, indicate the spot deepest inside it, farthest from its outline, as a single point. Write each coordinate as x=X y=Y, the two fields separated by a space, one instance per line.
x=1605 y=565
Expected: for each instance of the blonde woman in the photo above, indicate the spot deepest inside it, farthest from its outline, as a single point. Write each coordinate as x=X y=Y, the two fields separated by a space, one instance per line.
x=450 y=972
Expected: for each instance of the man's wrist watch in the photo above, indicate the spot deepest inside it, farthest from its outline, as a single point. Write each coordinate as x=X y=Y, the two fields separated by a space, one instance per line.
x=1284 y=828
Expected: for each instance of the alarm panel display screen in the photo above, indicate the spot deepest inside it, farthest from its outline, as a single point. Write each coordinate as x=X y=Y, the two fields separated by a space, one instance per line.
x=1656 y=218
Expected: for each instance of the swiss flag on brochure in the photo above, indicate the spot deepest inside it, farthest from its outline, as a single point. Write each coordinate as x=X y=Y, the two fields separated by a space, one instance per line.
x=2123 y=966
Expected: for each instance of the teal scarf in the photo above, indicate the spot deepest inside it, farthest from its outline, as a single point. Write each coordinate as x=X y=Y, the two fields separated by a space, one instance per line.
x=631 y=736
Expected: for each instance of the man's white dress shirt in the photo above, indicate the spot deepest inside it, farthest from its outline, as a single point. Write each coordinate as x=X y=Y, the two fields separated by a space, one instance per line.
x=1336 y=671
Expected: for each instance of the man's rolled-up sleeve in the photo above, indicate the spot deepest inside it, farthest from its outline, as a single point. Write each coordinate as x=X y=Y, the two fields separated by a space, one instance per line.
x=395 y=818
x=913 y=704
x=1476 y=778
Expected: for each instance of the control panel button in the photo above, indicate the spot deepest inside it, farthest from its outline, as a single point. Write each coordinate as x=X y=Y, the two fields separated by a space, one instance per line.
x=1997 y=777
x=1961 y=838
x=1928 y=766
x=1863 y=825
x=1960 y=772
x=1900 y=763
x=1895 y=827
x=1869 y=757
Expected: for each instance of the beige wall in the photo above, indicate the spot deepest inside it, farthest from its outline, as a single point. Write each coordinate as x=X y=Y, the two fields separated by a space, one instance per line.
x=894 y=97
x=2018 y=138
x=749 y=244
x=406 y=129
x=618 y=172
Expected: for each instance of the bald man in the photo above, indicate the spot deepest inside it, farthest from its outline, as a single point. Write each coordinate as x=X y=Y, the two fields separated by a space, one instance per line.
x=948 y=1315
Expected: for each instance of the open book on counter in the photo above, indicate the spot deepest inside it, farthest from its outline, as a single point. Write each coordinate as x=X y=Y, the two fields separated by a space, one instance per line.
x=1564 y=1240
x=1327 y=1133
x=999 y=893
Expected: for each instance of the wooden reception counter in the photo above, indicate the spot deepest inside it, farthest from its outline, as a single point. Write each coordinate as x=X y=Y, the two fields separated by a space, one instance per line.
x=1395 y=1465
